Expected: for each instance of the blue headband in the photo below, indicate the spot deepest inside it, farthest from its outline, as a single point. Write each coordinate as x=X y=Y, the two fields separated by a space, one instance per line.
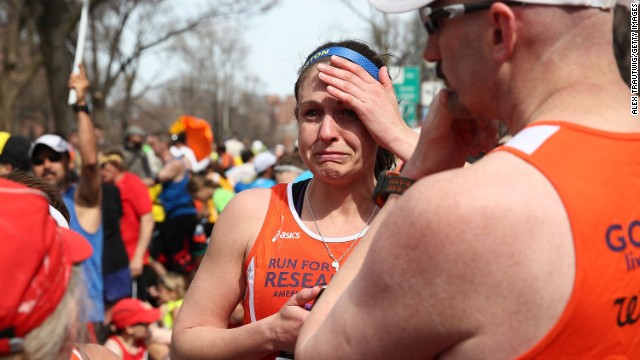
x=348 y=54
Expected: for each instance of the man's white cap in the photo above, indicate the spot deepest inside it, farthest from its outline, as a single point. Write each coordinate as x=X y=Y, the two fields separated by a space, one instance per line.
x=263 y=161
x=257 y=146
x=398 y=6
x=55 y=142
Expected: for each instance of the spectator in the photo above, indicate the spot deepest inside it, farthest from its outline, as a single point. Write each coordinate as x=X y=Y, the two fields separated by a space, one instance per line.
x=244 y=172
x=14 y=153
x=115 y=262
x=42 y=287
x=225 y=159
x=50 y=158
x=288 y=167
x=174 y=247
x=263 y=164
x=131 y=320
x=136 y=160
x=137 y=222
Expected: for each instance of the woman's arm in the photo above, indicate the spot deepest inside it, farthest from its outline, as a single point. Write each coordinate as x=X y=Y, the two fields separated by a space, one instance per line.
x=201 y=330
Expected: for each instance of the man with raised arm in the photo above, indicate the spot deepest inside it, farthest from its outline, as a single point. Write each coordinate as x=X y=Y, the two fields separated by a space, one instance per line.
x=51 y=161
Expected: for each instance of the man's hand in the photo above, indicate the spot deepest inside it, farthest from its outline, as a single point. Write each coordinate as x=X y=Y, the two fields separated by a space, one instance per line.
x=80 y=83
x=135 y=265
x=446 y=141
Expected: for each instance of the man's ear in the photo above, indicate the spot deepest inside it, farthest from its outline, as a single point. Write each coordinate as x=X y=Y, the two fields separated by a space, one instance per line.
x=503 y=21
x=6 y=168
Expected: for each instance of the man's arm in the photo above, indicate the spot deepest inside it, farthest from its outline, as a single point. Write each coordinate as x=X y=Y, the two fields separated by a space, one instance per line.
x=89 y=192
x=172 y=171
x=141 y=202
x=144 y=239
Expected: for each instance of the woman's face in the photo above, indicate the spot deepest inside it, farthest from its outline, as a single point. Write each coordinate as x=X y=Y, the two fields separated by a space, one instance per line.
x=333 y=142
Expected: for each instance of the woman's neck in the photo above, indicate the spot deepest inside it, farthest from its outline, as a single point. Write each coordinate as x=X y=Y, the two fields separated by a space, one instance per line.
x=341 y=210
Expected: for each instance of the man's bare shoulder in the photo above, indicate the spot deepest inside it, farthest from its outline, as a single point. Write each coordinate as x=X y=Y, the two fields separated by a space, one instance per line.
x=490 y=206
x=480 y=242
x=499 y=182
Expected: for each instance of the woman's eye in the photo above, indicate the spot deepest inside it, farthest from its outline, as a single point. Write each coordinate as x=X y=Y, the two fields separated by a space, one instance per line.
x=311 y=114
x=346 y=113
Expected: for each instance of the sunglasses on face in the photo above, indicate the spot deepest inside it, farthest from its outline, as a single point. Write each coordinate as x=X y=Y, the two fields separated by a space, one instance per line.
x=431 y=17
x=52 y=157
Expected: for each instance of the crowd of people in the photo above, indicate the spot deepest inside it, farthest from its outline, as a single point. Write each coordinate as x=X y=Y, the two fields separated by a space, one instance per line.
x=145 y=210
x=145 y=250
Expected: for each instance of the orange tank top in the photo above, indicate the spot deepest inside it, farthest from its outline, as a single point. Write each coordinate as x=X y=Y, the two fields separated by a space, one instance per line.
x=597 y=175
x=286 y=257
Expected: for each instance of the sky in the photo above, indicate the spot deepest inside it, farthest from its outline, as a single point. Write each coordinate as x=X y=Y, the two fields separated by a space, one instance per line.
x=281 y=39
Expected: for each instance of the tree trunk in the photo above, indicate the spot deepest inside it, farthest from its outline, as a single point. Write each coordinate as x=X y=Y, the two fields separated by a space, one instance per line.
x=19 y=66
x=53 y=27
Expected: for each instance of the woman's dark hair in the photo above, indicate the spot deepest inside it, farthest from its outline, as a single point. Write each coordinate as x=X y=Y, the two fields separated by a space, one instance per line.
x=385 y=160
x=53 y=193
x=357 y=46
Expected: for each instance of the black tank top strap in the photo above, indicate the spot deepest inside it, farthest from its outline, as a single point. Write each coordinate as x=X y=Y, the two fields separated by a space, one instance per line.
x=297 y=192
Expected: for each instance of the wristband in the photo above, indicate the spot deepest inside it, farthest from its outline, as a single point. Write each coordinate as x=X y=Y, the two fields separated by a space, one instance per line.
x=82 y=108
x=390 y=182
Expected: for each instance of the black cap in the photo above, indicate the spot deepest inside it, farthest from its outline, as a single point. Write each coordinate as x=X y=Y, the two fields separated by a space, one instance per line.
x=16 y=152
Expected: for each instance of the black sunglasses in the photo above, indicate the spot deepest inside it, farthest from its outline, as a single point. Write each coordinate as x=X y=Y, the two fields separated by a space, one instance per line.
x=52 y=157
x=431 y=16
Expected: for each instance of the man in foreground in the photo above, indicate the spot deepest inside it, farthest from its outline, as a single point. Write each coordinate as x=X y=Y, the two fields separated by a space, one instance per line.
x=531 y=252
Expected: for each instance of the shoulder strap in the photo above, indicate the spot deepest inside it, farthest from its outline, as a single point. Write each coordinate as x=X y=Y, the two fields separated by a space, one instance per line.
x=78 y=353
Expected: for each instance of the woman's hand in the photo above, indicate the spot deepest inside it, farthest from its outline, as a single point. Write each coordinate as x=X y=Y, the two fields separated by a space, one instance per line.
x=287 y=322
x=373 y=101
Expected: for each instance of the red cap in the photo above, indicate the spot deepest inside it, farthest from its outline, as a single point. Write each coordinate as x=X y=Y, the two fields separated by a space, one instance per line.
x=35 y=262
x=127 y=312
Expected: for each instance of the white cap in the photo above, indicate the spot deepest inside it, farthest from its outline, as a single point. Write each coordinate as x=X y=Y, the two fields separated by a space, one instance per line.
x=55 y=142
x=257 y=146
x=398 y=6
x=58 y=217
x=263 y=161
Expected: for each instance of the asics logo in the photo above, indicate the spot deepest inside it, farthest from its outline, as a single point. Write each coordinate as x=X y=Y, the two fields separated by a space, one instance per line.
x=286 y=235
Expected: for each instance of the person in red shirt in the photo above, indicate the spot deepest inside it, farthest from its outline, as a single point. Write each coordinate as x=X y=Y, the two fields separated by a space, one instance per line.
x=137 y=223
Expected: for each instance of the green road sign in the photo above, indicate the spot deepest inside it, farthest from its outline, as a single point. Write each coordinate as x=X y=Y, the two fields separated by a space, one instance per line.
x=407 y=87
x=407 y=84
x=409 y=114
